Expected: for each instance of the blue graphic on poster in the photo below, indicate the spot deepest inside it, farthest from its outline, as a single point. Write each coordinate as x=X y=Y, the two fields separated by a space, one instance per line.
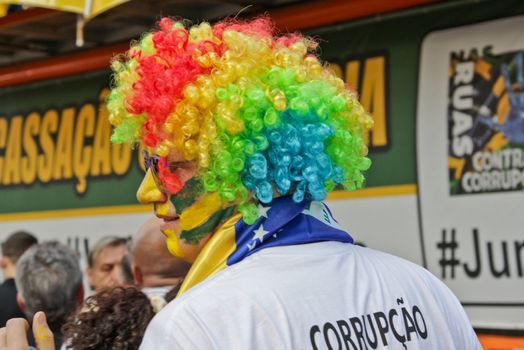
x=486 y=122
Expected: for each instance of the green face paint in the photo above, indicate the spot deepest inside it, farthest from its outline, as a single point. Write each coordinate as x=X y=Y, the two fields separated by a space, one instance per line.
x=189 y=194
x=195 y=235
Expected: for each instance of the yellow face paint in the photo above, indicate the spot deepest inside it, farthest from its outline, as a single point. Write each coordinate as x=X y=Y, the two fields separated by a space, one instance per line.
x=148 y=192
x=172 y=243
x=200 y=212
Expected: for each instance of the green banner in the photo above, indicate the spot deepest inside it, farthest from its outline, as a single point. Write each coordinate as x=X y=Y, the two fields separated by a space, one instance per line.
x=54 y=148
x=55 y=151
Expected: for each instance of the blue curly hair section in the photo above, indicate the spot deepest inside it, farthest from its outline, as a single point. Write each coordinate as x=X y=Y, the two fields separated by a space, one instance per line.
x=295 y=160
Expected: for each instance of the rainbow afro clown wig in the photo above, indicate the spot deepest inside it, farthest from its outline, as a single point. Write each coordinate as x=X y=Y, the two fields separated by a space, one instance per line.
x=257 y=114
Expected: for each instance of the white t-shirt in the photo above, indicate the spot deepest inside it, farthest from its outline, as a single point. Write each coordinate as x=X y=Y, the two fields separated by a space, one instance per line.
x=327 y=295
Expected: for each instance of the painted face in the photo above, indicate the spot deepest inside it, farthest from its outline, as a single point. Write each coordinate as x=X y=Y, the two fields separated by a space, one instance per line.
x=189 y=216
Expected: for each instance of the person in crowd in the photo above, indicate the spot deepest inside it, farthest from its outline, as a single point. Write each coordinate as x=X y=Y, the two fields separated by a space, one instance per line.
x=154 y=269
x=244 y=133
x=49 y=279
x=104 y=263
x=12 y=249
x=113 y=319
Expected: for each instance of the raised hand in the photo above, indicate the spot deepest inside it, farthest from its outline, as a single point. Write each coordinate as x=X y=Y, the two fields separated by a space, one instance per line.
x=14 y=335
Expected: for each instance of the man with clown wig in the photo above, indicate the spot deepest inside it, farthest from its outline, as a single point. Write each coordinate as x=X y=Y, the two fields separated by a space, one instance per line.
x=244 y=133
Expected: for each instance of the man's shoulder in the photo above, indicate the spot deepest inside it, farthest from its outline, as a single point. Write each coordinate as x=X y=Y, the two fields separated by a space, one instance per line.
x=399 y=269
x=8 y=283
x=288 y=270
x=271 y=268
x=275 y=264
x=8 y=287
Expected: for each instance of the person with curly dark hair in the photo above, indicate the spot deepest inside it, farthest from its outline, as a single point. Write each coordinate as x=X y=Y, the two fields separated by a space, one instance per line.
x=114 y=319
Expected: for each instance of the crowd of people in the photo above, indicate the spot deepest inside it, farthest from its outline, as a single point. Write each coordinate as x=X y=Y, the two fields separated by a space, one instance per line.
x=244 y=133
x=131 y=279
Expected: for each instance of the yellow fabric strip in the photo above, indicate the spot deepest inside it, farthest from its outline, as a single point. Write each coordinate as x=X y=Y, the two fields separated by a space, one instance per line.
x=213 y=257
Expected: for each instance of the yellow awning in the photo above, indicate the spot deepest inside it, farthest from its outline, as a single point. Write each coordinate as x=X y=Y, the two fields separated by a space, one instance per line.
x=87 y=8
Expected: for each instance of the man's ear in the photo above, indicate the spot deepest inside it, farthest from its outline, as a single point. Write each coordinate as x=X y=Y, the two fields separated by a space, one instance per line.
x=20 y=301
x=138 y=279
x=4 y=262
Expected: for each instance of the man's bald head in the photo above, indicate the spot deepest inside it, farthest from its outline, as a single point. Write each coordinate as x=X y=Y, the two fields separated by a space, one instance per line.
x=152 y=263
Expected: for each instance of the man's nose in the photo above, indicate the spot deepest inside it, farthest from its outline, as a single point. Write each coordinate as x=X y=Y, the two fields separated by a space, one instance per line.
x=117 y=276
x=148 y=192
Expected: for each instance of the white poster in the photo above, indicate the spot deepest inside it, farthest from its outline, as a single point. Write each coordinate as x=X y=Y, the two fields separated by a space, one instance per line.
x=470 y=164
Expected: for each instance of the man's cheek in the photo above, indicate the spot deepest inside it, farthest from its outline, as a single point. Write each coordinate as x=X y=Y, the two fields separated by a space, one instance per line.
x=200 y=212
x=100 y=274
x=189 y=194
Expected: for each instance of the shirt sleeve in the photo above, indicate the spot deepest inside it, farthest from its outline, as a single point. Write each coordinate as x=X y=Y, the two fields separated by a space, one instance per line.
x=456 y=318
x=469 y=336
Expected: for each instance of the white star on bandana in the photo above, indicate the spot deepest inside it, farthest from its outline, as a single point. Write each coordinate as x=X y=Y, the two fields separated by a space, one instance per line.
x=262 y=211
x=259 y=234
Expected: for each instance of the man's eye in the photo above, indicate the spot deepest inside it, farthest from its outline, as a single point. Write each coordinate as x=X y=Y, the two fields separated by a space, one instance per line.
x=154 y=163
x=174 y=166
x=107 y=268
